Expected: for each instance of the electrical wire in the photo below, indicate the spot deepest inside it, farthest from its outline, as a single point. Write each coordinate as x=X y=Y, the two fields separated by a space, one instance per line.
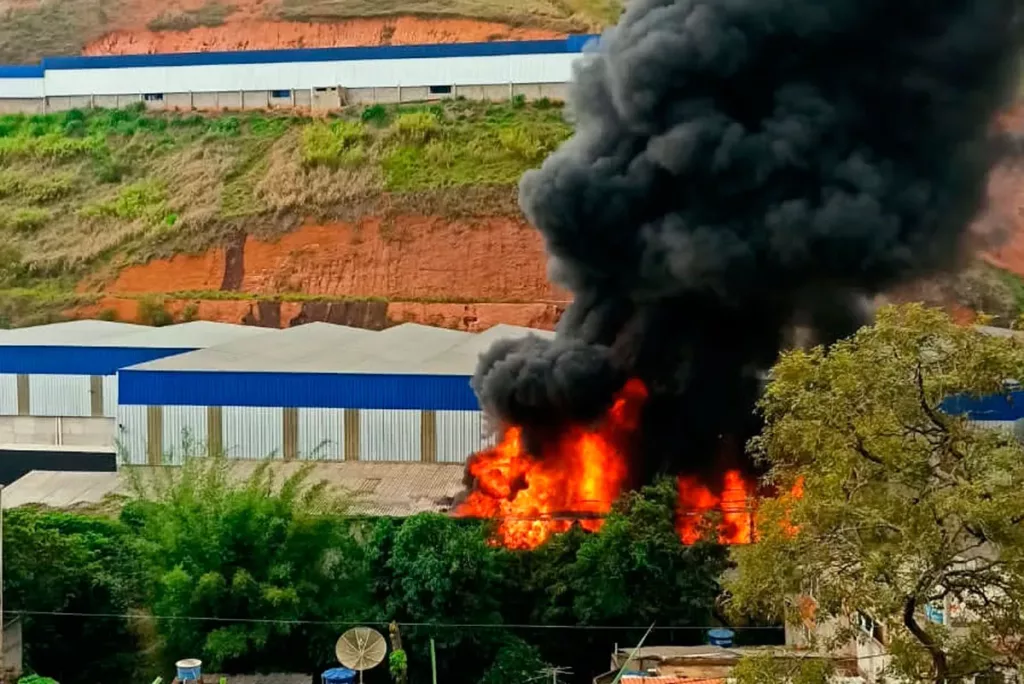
x=282 y=621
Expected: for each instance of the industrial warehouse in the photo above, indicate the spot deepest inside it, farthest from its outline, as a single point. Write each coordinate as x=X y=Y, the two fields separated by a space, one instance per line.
x=321 y=79
x=313 y=392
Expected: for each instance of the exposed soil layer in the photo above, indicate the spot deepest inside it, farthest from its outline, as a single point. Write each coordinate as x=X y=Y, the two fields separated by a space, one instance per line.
x=373 y=315
x=249 y=31
x=405 y=258
x=464 y=274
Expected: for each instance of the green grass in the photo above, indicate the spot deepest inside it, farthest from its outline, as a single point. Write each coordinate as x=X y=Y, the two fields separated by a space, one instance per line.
x=84 y=193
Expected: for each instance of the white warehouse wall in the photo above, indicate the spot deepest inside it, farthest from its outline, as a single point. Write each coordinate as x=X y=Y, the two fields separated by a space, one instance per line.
x=59 y=395
x=22 y=88
x=379 y=73
x=8 y=394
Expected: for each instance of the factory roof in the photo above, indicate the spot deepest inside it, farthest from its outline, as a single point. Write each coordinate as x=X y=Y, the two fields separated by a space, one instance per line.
x=84 y=333
x=191 y=335
x=380 y=489
x=409 y=348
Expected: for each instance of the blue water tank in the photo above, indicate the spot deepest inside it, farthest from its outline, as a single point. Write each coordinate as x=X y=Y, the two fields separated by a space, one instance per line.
x=339 y=675
x=720 y=637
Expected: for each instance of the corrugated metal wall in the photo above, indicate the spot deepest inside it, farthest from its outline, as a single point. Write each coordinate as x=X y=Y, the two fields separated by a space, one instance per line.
x=131 y=438
x=110 y=395
x=184 y=432
x=60 y=395
x=389 y=435
x=8 y=394
x=253 y=432
x=459 y=434
x=321 y=434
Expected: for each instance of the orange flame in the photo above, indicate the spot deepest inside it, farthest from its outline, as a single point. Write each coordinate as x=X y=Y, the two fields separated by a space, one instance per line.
x=695 y=500
x=575 y=479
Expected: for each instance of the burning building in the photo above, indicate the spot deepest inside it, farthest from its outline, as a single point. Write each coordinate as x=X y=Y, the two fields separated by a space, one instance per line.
x=739 y=169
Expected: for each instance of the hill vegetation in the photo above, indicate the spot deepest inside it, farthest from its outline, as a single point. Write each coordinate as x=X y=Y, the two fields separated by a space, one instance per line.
x=83 y=193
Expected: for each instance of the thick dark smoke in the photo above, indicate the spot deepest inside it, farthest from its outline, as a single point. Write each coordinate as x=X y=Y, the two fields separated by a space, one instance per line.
x=740 y=167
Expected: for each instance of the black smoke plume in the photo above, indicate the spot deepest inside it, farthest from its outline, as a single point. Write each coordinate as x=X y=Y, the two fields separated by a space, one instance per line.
x=740 y=167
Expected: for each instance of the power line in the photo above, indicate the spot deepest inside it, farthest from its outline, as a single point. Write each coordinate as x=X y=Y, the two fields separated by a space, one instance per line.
x=283 y=621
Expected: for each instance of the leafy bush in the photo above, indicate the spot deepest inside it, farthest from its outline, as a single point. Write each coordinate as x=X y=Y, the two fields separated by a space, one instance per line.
x=376 y=114
x=525 y=144
x=48 y=146
x=26 y=219
x=151 y=311
x=335 y=144
x=417 y=127
x=138 y=200
x=225 y=127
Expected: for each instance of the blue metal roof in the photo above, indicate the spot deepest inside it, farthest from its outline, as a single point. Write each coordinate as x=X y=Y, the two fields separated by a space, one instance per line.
x=572 y=44
x=296 y=390
x=21 y=71
x=63 y=360
x=999 y=407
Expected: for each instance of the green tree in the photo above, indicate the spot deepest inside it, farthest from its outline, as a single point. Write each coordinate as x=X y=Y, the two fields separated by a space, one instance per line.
x=270 y=555
x=67 y=563
x=903 y=504
x=636 y=571
x=431 y=568
x=767 y=669
x=516 y=661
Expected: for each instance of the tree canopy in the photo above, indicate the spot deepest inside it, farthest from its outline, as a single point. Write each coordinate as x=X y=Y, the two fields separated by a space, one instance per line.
x=903 y=504
x=275 y=563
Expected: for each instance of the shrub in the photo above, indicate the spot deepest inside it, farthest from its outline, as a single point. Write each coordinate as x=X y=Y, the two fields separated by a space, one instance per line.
x=138 y=200
x=151 y=311
x=376 y=114
x=336 y=144
x=417 y=127
x=227 y=127
x=26 y=219
x=190 y=312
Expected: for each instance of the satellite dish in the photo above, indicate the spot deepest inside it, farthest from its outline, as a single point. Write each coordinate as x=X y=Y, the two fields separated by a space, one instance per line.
x=361 y=648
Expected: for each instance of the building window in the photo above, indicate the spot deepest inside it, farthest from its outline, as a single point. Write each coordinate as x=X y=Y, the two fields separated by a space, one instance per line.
x=322 y=90
x=153 y=97
x=280 y=94
x=870 y=626
x=441 y=90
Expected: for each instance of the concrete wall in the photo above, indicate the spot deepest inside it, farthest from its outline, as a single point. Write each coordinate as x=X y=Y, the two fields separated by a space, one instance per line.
x=46 y=431
x=323 y=99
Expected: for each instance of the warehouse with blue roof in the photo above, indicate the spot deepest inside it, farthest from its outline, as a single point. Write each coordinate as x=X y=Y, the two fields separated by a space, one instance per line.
x=318 y=391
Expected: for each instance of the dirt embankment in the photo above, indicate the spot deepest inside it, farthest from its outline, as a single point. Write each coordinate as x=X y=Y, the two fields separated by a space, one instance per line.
x=248 y=30
x=461 y=274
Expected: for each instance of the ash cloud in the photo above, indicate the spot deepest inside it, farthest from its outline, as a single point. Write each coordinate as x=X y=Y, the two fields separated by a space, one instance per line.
x=741 y=167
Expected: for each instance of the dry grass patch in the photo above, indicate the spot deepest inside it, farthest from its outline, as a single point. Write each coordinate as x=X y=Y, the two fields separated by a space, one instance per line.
x=291 y=185
x=556 y=15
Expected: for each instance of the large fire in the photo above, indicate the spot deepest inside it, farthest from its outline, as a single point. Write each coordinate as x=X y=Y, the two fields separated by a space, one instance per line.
x=734 y=503
x=575 y=479
x=579 y=475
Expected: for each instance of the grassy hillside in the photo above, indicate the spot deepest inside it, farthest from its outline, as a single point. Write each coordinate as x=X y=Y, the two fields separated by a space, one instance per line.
x=82 y=194
x=31 y=29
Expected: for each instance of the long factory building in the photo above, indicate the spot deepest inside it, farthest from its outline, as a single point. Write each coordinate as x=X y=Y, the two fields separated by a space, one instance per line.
x=318 y=391
x=316 y=78
x=313 y=392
